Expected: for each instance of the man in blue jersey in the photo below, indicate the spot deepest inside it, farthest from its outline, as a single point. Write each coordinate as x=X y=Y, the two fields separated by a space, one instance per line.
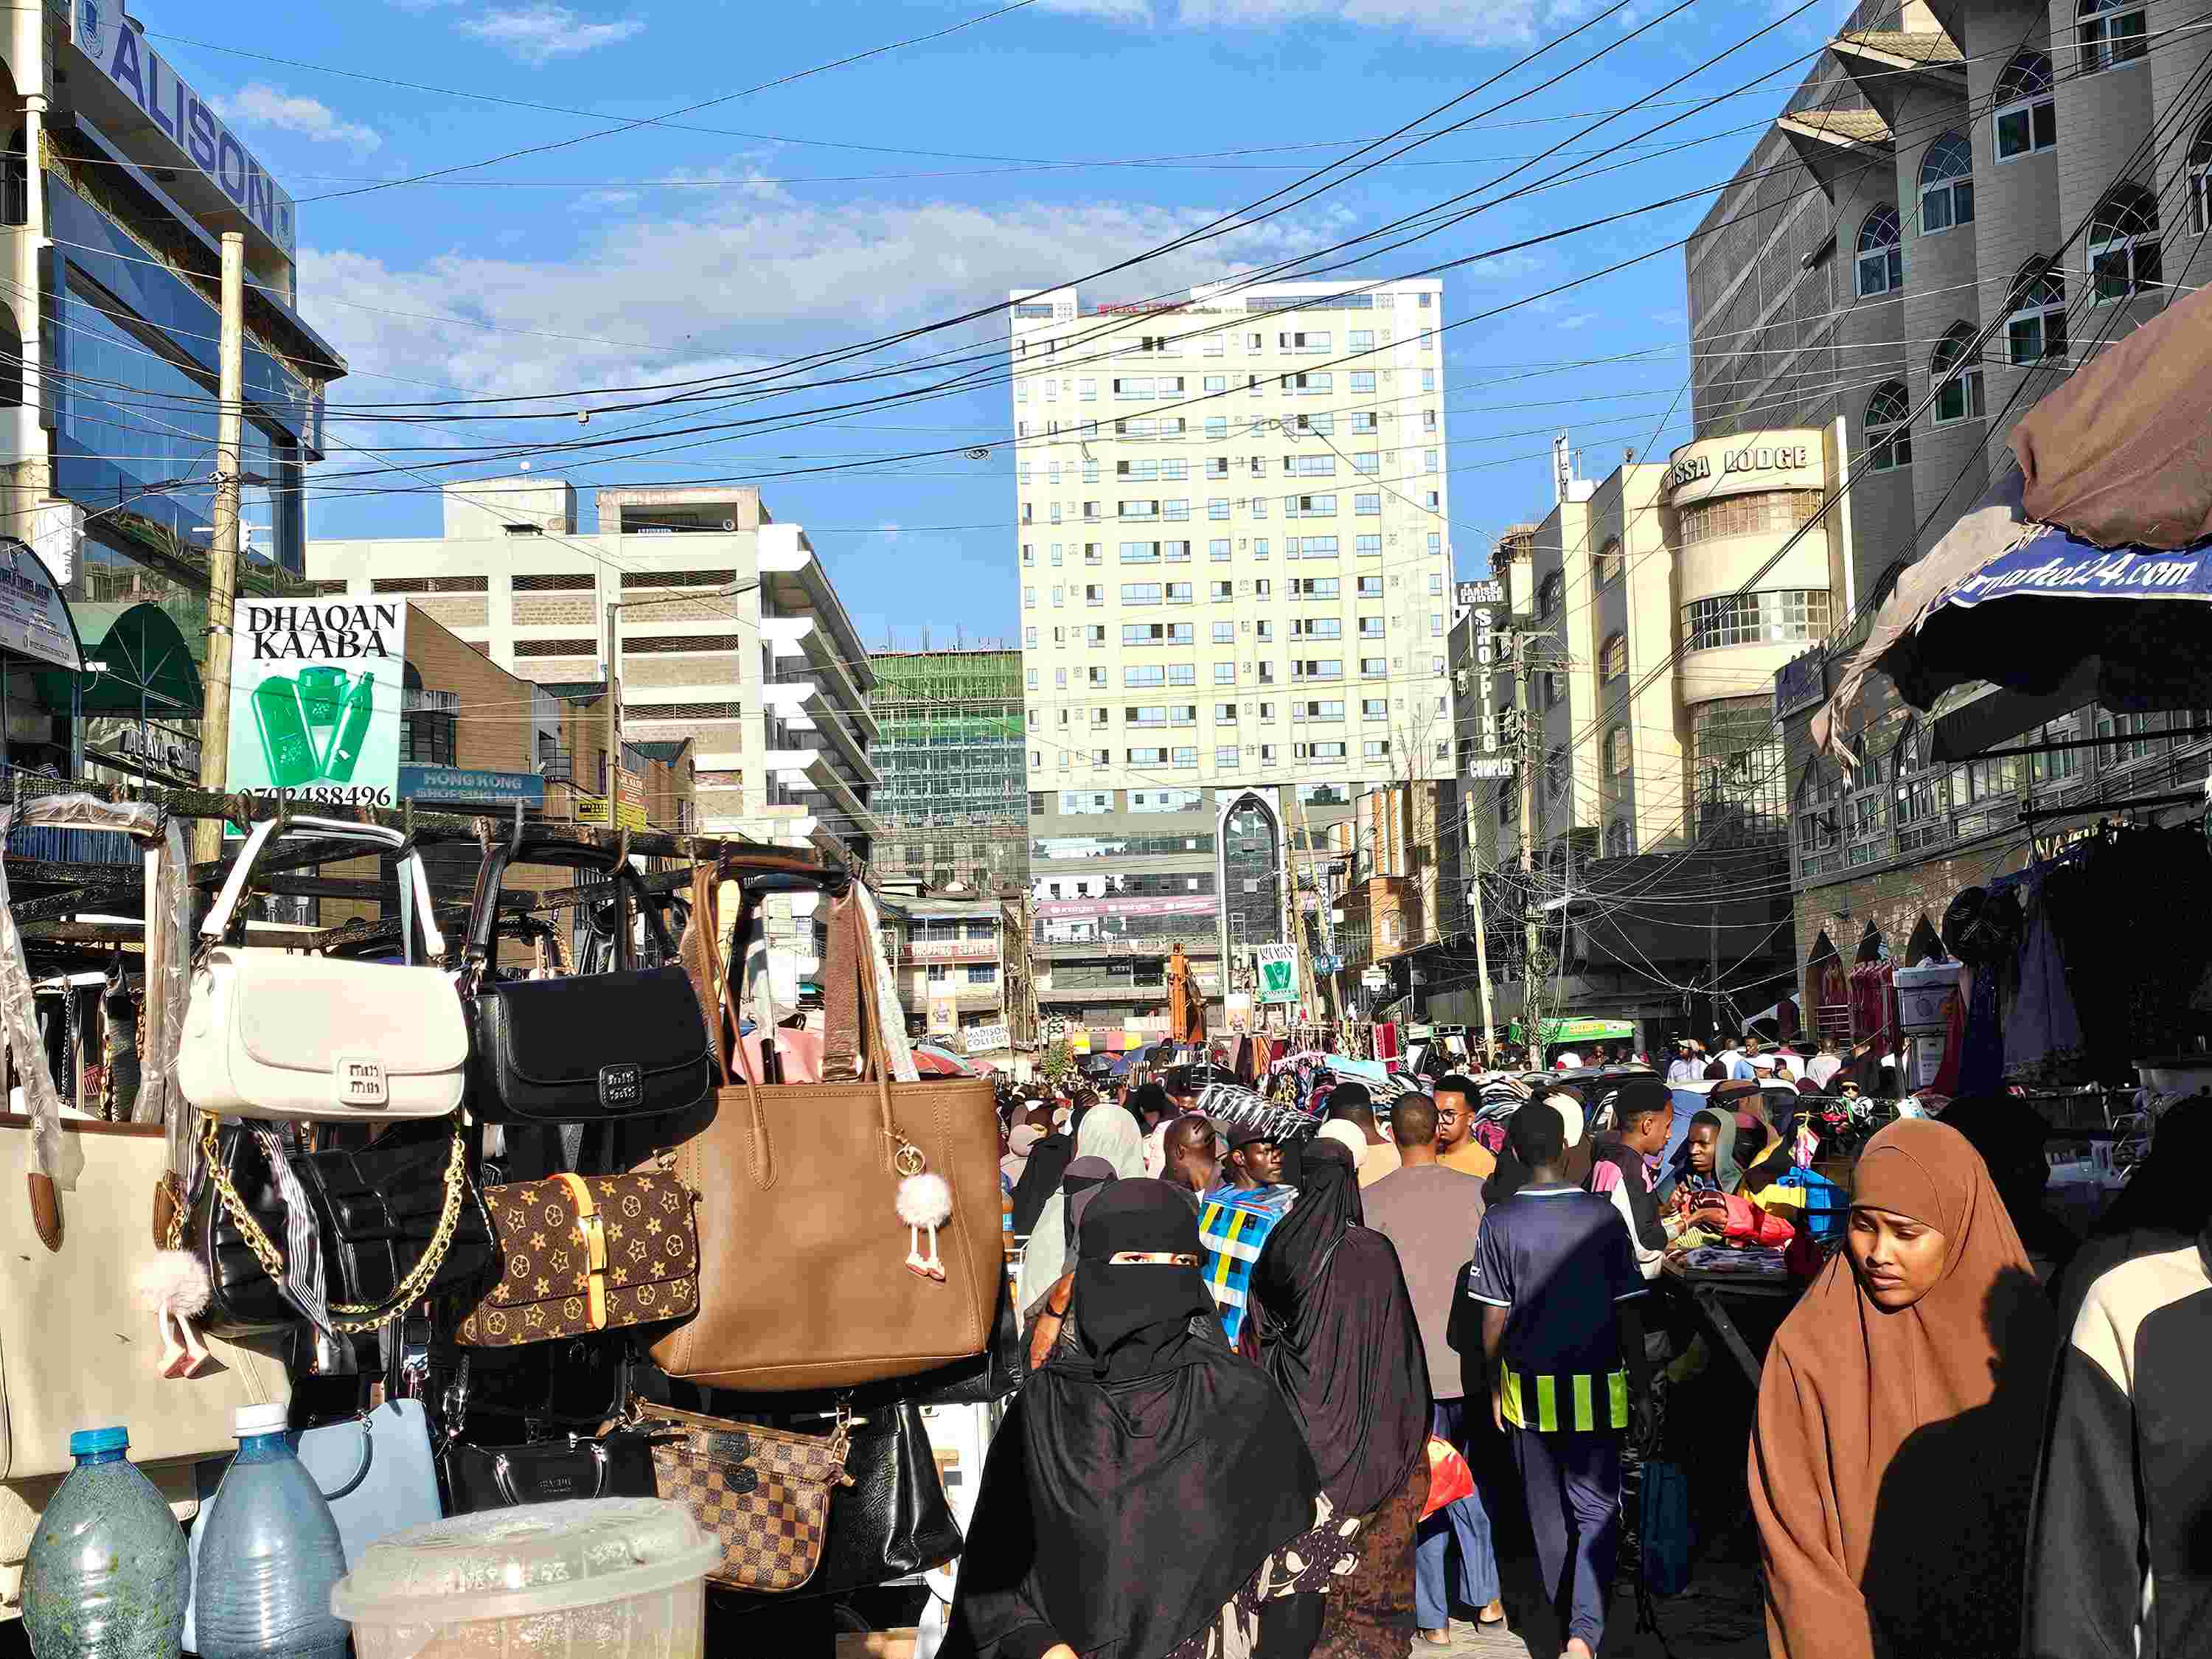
x=1553 y=1279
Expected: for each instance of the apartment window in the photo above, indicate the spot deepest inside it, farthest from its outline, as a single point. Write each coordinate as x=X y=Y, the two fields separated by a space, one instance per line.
x=1094 y=634
x=1029 y=639
x=1179 y=593
x=1606 y=567
x=2124 y=249
x=1778 y=617
x=1428 y=461
x=1216 y=429
x=1140 y=593
x=1224 y=673
x=1315 y=588
x=1058 y=597
x=1547 y=596
x=1367 y=463
x=1436 y=542
x=1261 y=587
x=2200 y=179
x=1310 y=547
x=1370 y=628
x=1370 y=587
x=1302 y=342
x=1555 y=688
x=1086 y=391
x=1617 y=752
x=1095 y=676
x=1220 y=593
x=1263 y=630
x=1176 y=509
x=2026 y=119
x=2109 y=32
x=1182 y=673
x=1259 y=547
x=1317 y=751
x=1555 y=772
x=1889 y=440
x=1374 y=708
x=1376 y=749
x=1317 y=668
x=1149 y=674
x=1217 y=466
x=1259 y=505
x=1958 y=374
x=1880 y=257
x=1947 y=184
x=1363 y=421
x=1310 y=466
x=1217 y=507
x=1094 y=552
x=1146 y=756
x=1266 y=754
x=1095 y=593
x=1366 y=544
x=1613 y=658
x=2036 y=330
x=1215 y=346
x=1373 y=668
x=1319 y=710
x=1186 y=758
x=1089 y=510
x=1300 y=385
x=1368 y=504
x=1225 y=755
x=1214 y=383
x=1028 y=599
x=1309 y=507
x=1363 y=379
x=1030 y=677
x=1146 y=714
x=1317 y=628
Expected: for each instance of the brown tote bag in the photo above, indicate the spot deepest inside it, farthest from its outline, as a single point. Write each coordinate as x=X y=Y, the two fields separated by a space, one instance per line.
x=803 y=1275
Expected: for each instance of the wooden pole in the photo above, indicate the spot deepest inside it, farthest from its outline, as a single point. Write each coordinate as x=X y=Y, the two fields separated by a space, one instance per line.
x=222 y=551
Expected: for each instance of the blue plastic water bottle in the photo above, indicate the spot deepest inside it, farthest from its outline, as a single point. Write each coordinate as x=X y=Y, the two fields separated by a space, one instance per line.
x=270 y=1554
x=106 y=1575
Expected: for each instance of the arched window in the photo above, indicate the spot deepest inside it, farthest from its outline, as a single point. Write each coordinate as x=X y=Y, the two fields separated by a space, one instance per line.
x=1620 y=840
x=2109 y=32
x=1921 y=805
x=1958 y=373
x=2026 y=119
x=2200 y=178
x=1607 y=566
x=1613 y=658
x=1547 y=596
x=1881 y=260
x=1617 y=752
x=2036 y=330
x=1889 y=439
x=2123 y=244
x=1819 y=810
x=1947 y=184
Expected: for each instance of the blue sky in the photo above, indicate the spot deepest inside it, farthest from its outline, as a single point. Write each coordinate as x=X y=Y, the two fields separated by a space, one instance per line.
x=802 y=220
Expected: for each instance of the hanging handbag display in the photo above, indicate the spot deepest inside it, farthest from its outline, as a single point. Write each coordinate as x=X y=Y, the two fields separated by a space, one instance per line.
x=586 y=1252
x=75 y=1346
x=824 y=1261
x=591 y=1047
x=617 y=1464
x=985 y=1380
x=395 y=1221
x=764 y=1492
x=268 y=1034
x=891 y=1518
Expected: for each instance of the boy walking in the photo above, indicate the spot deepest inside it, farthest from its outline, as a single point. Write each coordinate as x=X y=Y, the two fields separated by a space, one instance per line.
x=1554 y=1277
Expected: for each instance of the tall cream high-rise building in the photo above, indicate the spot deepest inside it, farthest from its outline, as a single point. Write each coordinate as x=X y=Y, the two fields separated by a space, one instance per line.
x=1234 y=551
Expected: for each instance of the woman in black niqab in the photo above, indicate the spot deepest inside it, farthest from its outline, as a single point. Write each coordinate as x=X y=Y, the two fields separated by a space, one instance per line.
x=1339 y=1335
x=1137 y=1499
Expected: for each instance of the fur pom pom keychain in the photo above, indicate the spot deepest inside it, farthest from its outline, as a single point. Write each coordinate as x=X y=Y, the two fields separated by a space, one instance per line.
x=173 y=1287
x=924 y=1202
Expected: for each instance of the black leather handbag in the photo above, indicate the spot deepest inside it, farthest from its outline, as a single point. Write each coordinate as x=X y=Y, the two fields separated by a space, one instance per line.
x=617 y=1464
x=398 y=1220
x=592 y=1047
x=893 y=1520
x=990 y=1376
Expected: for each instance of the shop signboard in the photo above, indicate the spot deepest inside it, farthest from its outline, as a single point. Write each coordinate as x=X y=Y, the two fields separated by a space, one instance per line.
x=1276 y=972
x=200 y=137
x=34 y=620
x=465 y=785
x=1557 y=1031
x=154 y=750
x=1481 y=592
x=1489 y=766
x=315 y=700
x=1375 y=979
x=984 y=1039
x=1175 y=905
x=592 y=808
x=1079 y=1040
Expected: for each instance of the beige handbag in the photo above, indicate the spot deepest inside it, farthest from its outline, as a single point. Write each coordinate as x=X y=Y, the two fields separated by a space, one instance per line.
x=309 y=1039
x=75 y=1350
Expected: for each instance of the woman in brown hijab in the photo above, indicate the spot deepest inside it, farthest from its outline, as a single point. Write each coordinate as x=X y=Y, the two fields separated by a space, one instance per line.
x=1899 y=1416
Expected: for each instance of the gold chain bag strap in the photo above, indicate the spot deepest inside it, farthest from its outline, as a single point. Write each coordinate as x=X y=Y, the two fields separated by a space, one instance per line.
x=763 y=1492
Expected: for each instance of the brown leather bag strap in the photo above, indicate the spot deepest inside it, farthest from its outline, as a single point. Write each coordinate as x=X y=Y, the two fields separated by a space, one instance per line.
x=843 y=1056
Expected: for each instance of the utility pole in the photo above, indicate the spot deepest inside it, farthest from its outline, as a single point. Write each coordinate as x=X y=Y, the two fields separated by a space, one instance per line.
x=223 y=551
x=1482 y=960
x=1525 y=704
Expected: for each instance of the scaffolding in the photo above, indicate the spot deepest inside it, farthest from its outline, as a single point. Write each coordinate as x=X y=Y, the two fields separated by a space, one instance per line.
x=954 y=800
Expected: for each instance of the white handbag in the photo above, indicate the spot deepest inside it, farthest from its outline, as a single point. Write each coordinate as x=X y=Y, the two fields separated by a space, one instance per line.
x=314 y=1039
x=76 y=1351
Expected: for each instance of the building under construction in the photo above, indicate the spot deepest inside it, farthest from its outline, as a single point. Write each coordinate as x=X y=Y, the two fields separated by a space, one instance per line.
x=953 y=802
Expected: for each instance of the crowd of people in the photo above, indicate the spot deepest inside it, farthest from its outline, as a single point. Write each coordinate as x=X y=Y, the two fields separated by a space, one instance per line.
x=1246 y=1348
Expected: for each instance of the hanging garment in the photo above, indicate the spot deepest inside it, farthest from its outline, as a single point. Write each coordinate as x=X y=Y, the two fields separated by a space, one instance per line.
x=2043 y=1041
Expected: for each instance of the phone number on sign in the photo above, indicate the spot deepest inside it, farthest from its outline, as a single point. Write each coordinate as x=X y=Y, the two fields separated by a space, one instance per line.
x=332 y=795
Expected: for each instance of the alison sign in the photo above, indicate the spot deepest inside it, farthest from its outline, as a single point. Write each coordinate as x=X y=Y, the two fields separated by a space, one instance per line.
x=99 y=29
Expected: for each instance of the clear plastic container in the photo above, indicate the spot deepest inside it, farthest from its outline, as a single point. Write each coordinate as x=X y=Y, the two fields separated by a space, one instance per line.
x=604 y=1578
x=106 y=1577
x=268 y=1554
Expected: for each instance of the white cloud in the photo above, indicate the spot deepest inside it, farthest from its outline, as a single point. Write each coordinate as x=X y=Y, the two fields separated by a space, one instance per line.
x=539 y=33
x=259 y=103
x=1118 y=11
x=752 y=270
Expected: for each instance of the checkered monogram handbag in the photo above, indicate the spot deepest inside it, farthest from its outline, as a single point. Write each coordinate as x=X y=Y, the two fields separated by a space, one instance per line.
x=764 y=1492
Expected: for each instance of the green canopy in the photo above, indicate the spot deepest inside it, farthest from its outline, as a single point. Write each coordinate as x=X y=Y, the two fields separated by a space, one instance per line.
x=149 y=663
x=1557 y=1031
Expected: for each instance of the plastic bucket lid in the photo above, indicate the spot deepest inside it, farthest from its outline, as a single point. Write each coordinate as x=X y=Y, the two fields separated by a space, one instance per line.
x=517 y=1563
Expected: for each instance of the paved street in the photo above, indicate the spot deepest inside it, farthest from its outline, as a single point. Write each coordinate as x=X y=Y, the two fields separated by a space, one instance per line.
x=1716 y=1617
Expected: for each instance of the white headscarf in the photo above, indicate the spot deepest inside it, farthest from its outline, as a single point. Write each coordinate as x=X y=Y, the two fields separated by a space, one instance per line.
x=1107 y=1132
x=1571 y=1114
x=1345 y=1135
x=1019 y=1144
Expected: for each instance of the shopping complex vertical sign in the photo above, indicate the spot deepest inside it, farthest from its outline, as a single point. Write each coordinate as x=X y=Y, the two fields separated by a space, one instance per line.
x=316 y=700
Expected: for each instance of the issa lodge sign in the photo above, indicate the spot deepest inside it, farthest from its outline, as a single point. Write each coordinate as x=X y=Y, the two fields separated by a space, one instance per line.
x=1792 y=459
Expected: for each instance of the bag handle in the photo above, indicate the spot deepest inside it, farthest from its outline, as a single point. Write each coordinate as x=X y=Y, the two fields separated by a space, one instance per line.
x=843 y=966
x=411 y=1289
x=220 y=914
x=630 y=895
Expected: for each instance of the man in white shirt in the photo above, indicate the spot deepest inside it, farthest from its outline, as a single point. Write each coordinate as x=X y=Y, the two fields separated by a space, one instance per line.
x=1684 y=1068
x=1823 y=1065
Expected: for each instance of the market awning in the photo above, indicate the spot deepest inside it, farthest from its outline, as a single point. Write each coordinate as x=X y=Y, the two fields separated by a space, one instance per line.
x=147 y=663
x=1557 y=1031
x=1970 y=719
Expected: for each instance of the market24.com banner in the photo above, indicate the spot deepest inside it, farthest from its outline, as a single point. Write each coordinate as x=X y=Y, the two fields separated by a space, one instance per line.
x=315 y=696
